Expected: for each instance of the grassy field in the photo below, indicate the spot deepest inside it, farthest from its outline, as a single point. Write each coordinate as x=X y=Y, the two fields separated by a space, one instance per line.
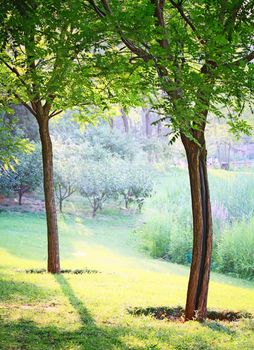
x=90 y=311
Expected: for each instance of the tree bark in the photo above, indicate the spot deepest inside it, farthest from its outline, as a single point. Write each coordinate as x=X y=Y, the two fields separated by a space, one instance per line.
x=196 y=304
x=52 y=229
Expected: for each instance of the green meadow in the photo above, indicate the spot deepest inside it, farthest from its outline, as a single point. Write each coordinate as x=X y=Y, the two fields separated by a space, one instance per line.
x=90 y=311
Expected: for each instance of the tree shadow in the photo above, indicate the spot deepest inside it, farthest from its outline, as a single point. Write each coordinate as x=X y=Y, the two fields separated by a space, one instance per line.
x=218 y=327
x=93 y=337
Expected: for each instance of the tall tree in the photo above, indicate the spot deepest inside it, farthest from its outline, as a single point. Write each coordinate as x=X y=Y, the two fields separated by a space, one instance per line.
x=197 y=55
x=47 y=66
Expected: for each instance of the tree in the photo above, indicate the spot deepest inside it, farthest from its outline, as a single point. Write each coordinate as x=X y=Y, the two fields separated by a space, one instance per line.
x=198 y=57
x=26 y=176
x=113 y=142
x=66 y=157
x=97 y=183
x=134 y=184
x=48 y=66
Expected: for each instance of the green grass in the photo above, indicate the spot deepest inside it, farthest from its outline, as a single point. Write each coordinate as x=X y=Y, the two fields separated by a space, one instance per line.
x=74 y=312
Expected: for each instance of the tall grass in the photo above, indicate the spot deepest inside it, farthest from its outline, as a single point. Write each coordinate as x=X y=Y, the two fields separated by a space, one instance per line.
x=167 y=228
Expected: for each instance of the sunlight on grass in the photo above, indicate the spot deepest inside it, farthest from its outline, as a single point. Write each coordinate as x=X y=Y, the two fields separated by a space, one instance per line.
x=90 y=311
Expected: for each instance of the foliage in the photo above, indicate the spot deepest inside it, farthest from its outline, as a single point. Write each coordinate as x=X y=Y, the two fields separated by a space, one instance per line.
x=113 y=141
x=11 y=145
x=134 y=184
x=97 y=183
x=199 y=56
x=26 y=176
x=66 y=158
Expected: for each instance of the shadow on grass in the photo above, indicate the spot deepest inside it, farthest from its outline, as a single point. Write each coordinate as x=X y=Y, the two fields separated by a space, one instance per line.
x=218 y=327
x=177 y=313
x=21 y=291
x=27 y=335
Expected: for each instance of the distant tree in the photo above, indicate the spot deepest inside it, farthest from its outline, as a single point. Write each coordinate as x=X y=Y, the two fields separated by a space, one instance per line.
x=66 y=158
x=134 y=184
x=25 y=177
x=97 y=183
x=114 y=142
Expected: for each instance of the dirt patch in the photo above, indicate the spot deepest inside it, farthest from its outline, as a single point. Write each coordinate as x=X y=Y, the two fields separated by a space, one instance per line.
x=49 y=308
x=177 y=314
x=75 y=271
x=29 y=204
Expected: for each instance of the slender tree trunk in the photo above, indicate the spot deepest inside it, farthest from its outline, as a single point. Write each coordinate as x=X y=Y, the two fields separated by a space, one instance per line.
x=111 y=123
x=61 y=205
x=52 y=229
x=126 y=202
x=148 y=123
x=159 y=127
x=20 y=196
x=94 y=211
x=125 y=121
x=196 y=304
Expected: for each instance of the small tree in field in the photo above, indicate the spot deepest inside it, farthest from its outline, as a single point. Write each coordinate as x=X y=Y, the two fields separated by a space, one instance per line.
x=97 y=183
x=67 y=158
x=25 y=177
x=134 y=185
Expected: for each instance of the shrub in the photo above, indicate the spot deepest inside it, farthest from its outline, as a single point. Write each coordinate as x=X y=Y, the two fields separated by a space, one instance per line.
x=154 y=236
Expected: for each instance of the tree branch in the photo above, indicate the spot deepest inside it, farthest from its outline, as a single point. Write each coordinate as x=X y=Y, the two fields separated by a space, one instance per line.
x=159 y=8
x=25 y=104
x=186 y=19
x=55 y=112
x=96 y=9
x=16 y=72
x=247 y=58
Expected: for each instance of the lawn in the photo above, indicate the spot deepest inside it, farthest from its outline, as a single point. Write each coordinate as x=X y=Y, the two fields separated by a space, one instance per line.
x=90 y=311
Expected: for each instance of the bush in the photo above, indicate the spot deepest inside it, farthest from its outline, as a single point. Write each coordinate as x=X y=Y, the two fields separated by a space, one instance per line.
x=235 y=250
x=154 y=236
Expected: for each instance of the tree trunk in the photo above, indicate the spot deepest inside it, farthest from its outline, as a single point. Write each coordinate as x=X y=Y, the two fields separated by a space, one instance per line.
x=94 y=211
x=52 y=230
x=125 y=121
x=61 y=205
x=148 y=123
x=20 y=196
x=159 y=127
x=196 y=304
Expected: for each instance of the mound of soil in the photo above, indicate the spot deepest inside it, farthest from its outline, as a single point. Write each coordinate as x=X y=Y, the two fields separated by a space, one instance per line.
x=177 y=313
